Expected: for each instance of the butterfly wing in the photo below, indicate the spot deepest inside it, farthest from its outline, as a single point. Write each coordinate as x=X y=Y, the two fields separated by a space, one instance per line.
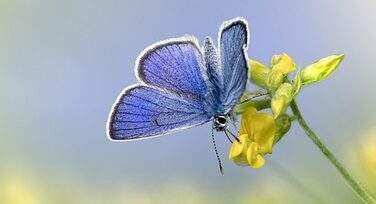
x=233 y=44
x=213 y=72
x=175 y=65
x=143 y=111
x=173 y=93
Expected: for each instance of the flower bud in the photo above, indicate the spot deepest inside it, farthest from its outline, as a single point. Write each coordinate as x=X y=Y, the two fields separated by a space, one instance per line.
x=258 y=72
x=281 y=99
x=279 y=105
x=321 y=69
x=273 y=80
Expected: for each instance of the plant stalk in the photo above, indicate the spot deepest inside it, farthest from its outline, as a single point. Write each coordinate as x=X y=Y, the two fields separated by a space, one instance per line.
x=361 y=192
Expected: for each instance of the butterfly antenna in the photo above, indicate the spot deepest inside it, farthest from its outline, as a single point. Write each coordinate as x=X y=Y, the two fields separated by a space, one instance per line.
x=216 y=153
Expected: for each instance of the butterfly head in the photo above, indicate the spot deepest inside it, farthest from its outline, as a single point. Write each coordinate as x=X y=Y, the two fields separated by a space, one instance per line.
x=221 y=122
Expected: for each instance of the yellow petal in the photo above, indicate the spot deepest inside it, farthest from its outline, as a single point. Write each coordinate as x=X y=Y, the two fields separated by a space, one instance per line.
x=282 y=63
x=254 y=159
x=246 y=124
x=263 y=131
x=238 y=150
x=241 y=160
x=237 y=147
x=258 y=72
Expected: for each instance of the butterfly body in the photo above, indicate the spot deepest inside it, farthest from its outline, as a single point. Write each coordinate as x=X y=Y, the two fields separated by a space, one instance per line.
x=182 y=85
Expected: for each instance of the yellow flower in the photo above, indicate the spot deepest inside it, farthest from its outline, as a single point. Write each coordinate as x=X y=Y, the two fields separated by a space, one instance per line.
x=256 y=138
x=258 y=72
x=282 y=63
x=281 y=66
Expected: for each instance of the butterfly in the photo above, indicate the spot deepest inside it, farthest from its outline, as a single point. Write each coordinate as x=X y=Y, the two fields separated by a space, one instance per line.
x=182 y=85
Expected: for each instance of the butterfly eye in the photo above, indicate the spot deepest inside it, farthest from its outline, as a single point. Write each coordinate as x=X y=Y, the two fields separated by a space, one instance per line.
x=221 y=121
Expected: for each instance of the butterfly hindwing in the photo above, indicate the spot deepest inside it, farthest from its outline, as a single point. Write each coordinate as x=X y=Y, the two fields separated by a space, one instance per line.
x=143 y=111
x=213 y=72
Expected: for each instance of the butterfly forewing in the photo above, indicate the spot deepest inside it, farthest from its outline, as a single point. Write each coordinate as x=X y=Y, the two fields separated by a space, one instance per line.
x=176 y=65
x=233 y=43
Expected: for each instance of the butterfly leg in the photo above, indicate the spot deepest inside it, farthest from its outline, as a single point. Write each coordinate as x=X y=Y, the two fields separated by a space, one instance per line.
x=254 y=96
x=228 y=137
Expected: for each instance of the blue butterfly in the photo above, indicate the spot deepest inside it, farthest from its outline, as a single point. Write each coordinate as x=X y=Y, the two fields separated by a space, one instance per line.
x=182 y=85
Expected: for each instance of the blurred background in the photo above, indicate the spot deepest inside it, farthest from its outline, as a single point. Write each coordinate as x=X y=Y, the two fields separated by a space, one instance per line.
x=63 y=63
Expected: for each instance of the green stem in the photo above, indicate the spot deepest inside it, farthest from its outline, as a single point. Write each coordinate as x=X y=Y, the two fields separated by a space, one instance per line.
x=362 y=193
